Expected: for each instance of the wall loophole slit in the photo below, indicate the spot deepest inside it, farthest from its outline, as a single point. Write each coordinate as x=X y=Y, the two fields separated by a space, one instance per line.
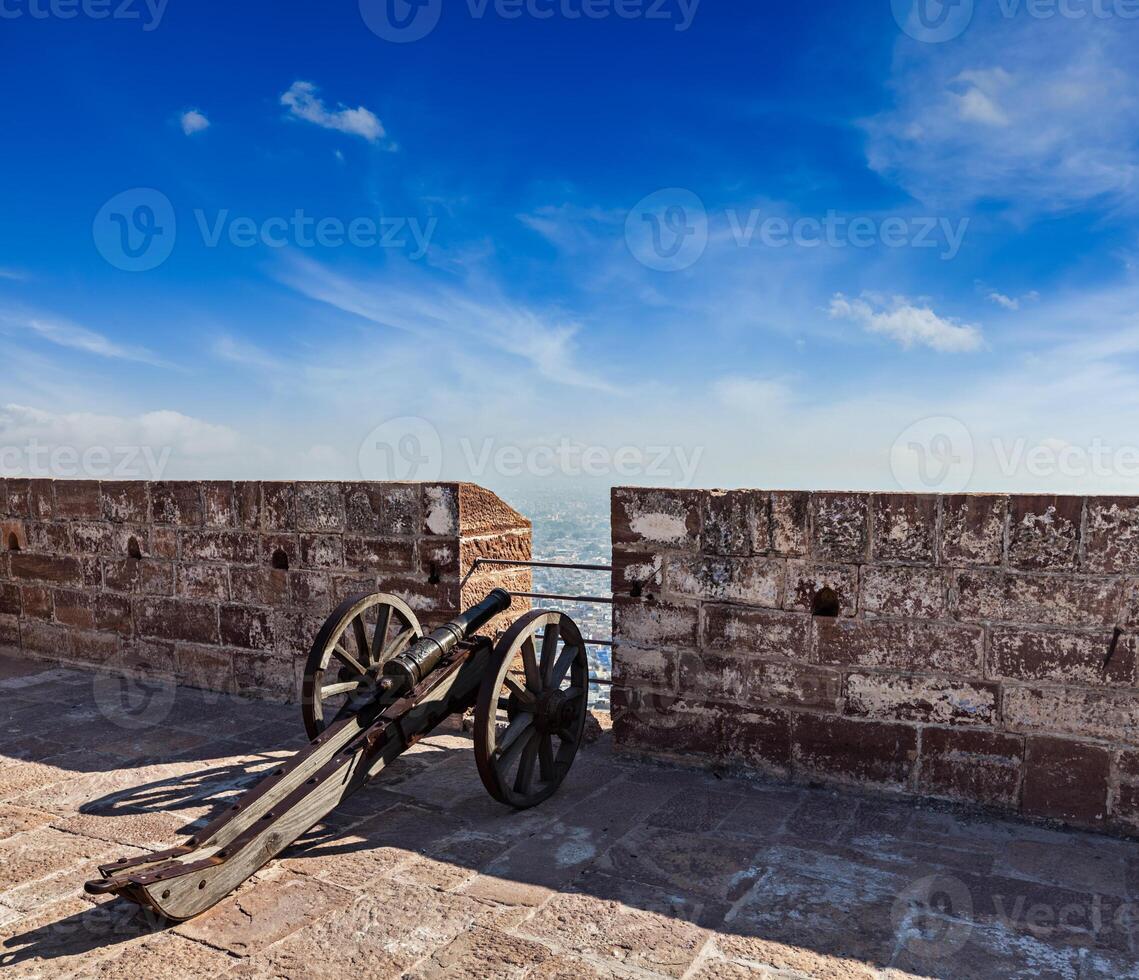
x=826 y=604
x=281 y=560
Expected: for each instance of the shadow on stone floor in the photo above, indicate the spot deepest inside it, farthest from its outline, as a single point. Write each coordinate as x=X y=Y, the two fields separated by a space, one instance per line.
x=648 y=865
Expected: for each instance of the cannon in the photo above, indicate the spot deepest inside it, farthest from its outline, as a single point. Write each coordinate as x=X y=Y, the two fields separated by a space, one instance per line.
x=374 y=685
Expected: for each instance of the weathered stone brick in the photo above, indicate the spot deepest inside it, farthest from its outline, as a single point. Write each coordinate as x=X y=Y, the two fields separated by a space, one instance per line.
x=934 y=700
x=790 y=522
x=47 y=538
x=312 y=590
x=935 y=647
x=88 y=647
x=909 y=593
x=36 y=602
x=736 y=523
x=45 y=639
x=30 y=499
x=1125 y=817
x=656 y=518
x=722 y=676
x=265 y=675
x=971 y=766
x=177 y=619
x=87 y=611
x=1103 y=714
x=205 y=667
x=247 y=501
x=655 y=623
x=849 y=751
x=402 y=511
x=441 y=510
x=45 y=568
x=255 y=585
x=841 y=527
x=806 y=580
x=10 y=604
x=1044 y=600
x=91 y=538
x=754 y=581
x=178 y=504
x=662 y=724
x=9 y=631
x=755 y=632
x=973 y=529
x=1045 y=532
x=203 y=581
x=232 y=546
x=634 y=570
x=635 y=666
x=322 y=551
x=126 y=501
x=905 y=527
x=77 y=500
x=295 y=630
x=247 y=628
x=1112 y=535
x=320 y=507
x=794 y=685
x=279 y=506
x=379 y=556
x=482 y=513
x=1063 y=658
x=164 y=543
x=280 y=551
x=758 y=738
x=1065 y=780
x=363 y=509
x=219 y=505
x=446 y=556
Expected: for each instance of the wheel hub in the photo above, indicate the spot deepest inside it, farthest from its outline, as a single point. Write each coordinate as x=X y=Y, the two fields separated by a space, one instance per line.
x=555 y=712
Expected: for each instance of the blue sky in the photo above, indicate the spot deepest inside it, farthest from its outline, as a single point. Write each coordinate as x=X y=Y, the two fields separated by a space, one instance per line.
x=670 y=242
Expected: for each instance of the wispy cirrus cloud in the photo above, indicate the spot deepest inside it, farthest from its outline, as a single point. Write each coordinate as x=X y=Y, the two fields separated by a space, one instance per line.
x=303 y=102
x=907 y=323
x=64 y=333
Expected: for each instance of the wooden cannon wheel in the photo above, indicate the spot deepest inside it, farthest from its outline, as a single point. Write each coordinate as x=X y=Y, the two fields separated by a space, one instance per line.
x=531 y=709
x=349 y=653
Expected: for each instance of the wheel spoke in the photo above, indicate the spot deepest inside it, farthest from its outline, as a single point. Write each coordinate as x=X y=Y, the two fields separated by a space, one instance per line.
x=530 y=662
x=573 y=693
x=525 y=777
x=333 y=689
x=549 y=653
x=345 y=657
x=380 y=637
x=362 y=644
x=525 y=698
x=546 y=757
x=399 y=644
x=565 y=661
x=515 y=731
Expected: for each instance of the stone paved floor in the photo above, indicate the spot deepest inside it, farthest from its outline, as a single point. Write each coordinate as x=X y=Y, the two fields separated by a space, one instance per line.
x=631 y=871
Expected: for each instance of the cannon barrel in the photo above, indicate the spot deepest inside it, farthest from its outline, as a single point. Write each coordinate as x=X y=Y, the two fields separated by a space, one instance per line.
x=404 y=672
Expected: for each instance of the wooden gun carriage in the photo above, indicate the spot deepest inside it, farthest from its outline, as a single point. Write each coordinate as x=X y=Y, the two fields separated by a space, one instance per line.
x=374 y=685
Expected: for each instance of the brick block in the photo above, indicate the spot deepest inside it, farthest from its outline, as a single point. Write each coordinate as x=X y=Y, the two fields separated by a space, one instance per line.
x=932 y=647
x=31 y=499
x=265 y=675
x=794 y=685
x=178 y=504
x=756 y=632
x=1063 y=658
x=1112 y=535
x=1103 y=714
x=1044 y=532
x=1125 y=817
x=204 y=667
x=9 y=631
x=402 y=512
x=736 y=523
x=634 y=568
x=322 y=551
x=651 y=624
x=164 y=543
x=440 y=510
x=203 y=581
x=219 y=504
x=932 y=700
x=176 y=619
x=88 y=611
x=790 y=523
x=1066 y=780
x=36 y=602
x=663 y=724
x=364 y=508
x=841 y=527
x=88 y=647
x=141 y=577
x=849 y=751
x=46 y=639
x=258 y=586
x=905 y=593
x=278 y=506
x=126 y=501
x=240 y=547
x=45 y=568
x=313 y=591
x=758 y=738
x=10 y=603
x=805 y=580
x=77 y=500
x=641 y=667
x=379 y=556
x=246 y=628
x=1037 y=600
x=971 y=766
x=47 y=538
x=905 y=527
x=656 y=518
x=710 y=674
x=754 y=581
x=973 y=529
x=320 y=507
x=91 y=538
x=441 y=556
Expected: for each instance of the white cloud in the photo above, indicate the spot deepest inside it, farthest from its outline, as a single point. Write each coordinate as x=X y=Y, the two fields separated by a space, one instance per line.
x=63 y=333
x=303 y=103
x=13 y=274
x=194 y=121
x=909 y=325
x=1004 y=301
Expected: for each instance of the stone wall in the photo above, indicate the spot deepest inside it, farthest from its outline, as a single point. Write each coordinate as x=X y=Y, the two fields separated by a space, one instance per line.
x=224 y=585
x=969 y=648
